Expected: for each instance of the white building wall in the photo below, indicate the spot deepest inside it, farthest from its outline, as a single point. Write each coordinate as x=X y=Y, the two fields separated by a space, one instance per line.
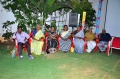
x=112 y=25
x=95 y=4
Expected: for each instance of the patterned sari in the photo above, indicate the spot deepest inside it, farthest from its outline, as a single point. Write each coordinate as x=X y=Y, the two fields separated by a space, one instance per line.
x=36 y=46
x=65 y=44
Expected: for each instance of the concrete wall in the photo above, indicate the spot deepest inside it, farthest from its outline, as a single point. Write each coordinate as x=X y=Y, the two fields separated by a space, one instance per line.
x=109 y=21
x=95 y=4
x=113 y=18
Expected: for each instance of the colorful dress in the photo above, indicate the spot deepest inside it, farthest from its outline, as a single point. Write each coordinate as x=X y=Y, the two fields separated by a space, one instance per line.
x=65 y=44
x=52 y=43
x=79 y=43
x=36 y=46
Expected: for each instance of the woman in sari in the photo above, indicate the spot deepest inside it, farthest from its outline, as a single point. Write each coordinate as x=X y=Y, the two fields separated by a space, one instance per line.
x=52 y=41
x=37 y=43
x=78 y=40
x=65 y=42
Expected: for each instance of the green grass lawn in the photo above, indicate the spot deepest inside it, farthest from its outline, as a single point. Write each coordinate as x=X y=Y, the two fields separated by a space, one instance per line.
x=60 y=66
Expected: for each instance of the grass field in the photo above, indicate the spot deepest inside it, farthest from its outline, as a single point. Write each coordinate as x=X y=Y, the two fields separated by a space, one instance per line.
x=60 y=66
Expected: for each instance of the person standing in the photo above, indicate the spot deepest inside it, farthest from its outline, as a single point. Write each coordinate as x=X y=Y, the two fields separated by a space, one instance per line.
x=22 y=39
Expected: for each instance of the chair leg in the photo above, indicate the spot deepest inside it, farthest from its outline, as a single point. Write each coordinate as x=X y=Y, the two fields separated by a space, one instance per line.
x=111 y=50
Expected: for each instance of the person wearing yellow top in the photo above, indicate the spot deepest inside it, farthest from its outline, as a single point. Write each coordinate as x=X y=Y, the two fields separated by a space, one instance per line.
x=90 y=36
x=37 y=43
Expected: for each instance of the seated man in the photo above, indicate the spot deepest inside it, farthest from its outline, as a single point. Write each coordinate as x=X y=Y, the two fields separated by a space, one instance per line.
x=90 y=40
x=22 y=39
x=104 y=39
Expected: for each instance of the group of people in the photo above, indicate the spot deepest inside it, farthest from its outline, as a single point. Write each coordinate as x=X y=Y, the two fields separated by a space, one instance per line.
x=78 y=37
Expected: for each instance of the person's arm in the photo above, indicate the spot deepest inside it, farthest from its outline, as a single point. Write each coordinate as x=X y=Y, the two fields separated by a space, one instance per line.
x=14 y=36
x=55 y=36
x=26 y=36
x=42 y=36
x=80 y=37
x=110 y=37
x=62 y=37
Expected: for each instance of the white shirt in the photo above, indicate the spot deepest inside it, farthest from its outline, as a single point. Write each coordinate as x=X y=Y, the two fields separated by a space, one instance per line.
x=21 y=37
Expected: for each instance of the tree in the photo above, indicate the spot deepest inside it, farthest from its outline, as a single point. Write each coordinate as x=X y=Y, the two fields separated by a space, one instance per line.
x=31 y=12
x=79 y=6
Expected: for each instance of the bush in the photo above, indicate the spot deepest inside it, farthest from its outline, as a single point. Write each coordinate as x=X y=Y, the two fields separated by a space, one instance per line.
x=7 y=35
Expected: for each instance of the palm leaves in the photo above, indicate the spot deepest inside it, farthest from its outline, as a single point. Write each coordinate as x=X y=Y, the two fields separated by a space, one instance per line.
x=30 y=12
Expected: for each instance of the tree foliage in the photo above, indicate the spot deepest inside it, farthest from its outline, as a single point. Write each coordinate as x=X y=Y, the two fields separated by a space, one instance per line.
x=79 y=6
x=31 y=12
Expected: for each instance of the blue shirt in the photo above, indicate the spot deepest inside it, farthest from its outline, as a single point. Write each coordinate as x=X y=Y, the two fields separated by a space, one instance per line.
x=105 y=37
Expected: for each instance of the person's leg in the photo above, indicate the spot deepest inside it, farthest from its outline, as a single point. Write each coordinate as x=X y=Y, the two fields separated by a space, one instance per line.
x=105 y=46
x=91 y=45
x=33 y=46
x=82 y=46
x=27 y=45
x=100 y=45
x=20 y=45
x=79 y=46
x=39 y=47
x=49 y=44
x=88 y=47
x=54 y=43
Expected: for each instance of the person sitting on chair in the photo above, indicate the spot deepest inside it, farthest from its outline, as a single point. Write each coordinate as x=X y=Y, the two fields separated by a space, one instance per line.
x=78 y=40
x=52 y=41
x=104 y=39
x=22 y=39
x=37 y=42
x=90 y=36
x=65 y=42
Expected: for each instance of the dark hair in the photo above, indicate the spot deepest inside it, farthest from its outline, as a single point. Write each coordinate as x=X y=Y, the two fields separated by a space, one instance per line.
x=52 y=26
x=80 y=26
x=19 y=27
x=65 y=25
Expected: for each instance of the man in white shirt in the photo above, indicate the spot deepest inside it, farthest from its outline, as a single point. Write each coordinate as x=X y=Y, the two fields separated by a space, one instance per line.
x=22 y=39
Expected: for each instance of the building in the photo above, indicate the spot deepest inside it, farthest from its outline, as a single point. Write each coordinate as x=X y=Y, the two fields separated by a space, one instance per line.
x=110 y=17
